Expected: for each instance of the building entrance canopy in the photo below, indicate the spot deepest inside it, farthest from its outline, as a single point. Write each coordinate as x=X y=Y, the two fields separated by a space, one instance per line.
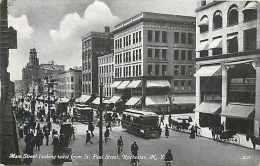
x=133 y=100
x=158 y=84
x=157 y=100
x=83 y=99
x=209 y=71
x=135 y=84
x=83 y=107
x=238 y=110
x=116 y=84
x=209 y=108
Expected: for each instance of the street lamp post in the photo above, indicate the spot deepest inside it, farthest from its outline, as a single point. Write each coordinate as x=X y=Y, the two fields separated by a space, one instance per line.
x=101 y=125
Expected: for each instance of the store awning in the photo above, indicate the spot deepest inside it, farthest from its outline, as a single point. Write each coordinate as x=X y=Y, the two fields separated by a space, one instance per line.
x=157 y=83
x=116 y=84
x=203 y=46
x=96 y=101
x=63 y=100
x=185 y=99
x=135 y=84
x=113 y=100
x=238 y=110
x=209 y=108
x=250 y=6
x=157 y=100
x=240 y=62
x=83 y=107
x=208 y=71
x=204 y=22
x=216 y=43
x=133 y=100
x=231 y=37
x=123 y=85
x=83 y=99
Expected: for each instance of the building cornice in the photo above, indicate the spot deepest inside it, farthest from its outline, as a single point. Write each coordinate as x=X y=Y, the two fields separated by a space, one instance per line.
x=208 y=5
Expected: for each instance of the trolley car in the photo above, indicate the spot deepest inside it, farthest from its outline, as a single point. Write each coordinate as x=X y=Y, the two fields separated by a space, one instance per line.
x=142 y=123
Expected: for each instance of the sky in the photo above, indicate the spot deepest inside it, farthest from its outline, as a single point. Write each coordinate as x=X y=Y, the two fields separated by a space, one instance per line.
x=55 y=27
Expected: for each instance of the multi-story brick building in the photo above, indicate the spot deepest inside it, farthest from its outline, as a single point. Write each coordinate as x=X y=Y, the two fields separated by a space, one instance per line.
x=105 y=73
x=154 y=58
x=228 y=67
x=69 y=84
x=94 y=45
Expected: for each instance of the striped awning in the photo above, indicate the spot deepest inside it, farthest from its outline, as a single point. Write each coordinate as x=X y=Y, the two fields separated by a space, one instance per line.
x=209 y=71
x=209 y=108
x=158 y=83
x=157 y=100
x=123 y=85
x=135 y=84
x=116 y=84
x=133 y=100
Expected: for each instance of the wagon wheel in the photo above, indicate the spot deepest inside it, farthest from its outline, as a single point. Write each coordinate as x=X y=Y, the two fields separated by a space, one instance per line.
x=236 y=139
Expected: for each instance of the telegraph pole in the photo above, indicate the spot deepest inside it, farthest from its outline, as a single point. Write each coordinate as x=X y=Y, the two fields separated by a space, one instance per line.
x=101 y=125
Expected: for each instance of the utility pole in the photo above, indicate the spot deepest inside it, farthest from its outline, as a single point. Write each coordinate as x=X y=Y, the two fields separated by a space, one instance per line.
x=101 y=125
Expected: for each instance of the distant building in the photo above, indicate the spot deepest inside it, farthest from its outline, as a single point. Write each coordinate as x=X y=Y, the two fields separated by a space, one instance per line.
x=105 y=73
x=154 y=58
x=228 y=67
x=94 y=45
x=19 y=87
x=69 y=84
x=31 y=72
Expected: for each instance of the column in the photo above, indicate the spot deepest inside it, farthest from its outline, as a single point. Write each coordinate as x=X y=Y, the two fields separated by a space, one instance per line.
x=224 y=91
x=257 y=99
x=198 y=95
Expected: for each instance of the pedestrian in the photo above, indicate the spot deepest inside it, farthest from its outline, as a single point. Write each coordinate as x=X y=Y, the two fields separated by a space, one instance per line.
x=21 y=131
x=168 y=158
x=167 y=131
x=88 y=137
x=109 y=126
x=47 y=134
x=91 y=128
x=107 y=133
x=49 y=126
x=120 y=145
x=134 y=151
x=56 y=145
x=192 y=132
x=196 y=129
x=162 y=119
x=38 y=127
x=170 y=121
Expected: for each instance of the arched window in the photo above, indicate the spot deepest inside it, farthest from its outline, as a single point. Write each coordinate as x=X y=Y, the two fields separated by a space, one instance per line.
x=232 y=15
x=250 y=11
x=217 y=19
x=204 y=24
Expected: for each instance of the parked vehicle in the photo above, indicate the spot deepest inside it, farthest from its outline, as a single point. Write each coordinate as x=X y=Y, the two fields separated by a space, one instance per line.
x=141 y=122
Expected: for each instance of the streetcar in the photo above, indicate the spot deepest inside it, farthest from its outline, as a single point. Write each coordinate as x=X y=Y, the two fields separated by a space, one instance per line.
x=141 y=122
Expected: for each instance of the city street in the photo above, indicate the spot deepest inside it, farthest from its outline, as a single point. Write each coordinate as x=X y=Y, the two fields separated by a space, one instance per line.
x=186 y=151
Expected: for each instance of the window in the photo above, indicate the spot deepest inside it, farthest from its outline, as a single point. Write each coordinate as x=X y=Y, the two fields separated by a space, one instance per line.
x=157 y=69
x=164 y=54
x=164 y=70
x=183 y=70
x=134 y=38
x=140 y=54
x=250 y=39
x=150 y=69
x=140 y=70
x=204 y=53
x=129 y=70
x=189 y=55
x=140 y=36
x=137 y=70
x=176 y=70
x=190 y=70
x=183 y=38
x=176 y=84
x=204 y=24
x=133 y=70
x=133 y=55
x=157 y=53
x=72 y=79
x=232 y=43
x=176 y=54
x=157 y=36
x=150 y=52
x=190 y=38
x=217 y=20
x=129 y=42
x=189 y=84
x=250 y=11
x=182 y=84
x=176 y=37
x=164 y=36
x=183 y=55
x=232 y=16
x=216 y=51
x=150 y=35
x=124 y=43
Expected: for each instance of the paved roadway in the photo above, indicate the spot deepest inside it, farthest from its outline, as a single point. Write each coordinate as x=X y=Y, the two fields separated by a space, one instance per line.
x=187 y=152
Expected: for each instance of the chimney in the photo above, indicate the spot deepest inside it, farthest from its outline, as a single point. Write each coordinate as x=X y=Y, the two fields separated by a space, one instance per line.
x=107 y=29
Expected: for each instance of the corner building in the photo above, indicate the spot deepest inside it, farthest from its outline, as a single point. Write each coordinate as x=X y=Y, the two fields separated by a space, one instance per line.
x=228 y=67
x=154 y=58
